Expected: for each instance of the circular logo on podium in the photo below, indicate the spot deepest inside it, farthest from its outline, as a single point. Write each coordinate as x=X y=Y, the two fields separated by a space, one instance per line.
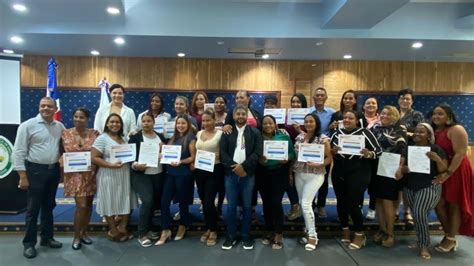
x=6 y=164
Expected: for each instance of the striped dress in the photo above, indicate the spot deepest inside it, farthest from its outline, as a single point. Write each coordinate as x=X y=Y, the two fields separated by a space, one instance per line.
x=114 y=193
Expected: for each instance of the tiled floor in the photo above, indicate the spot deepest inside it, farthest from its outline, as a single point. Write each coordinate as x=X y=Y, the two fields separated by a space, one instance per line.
x=190 y=252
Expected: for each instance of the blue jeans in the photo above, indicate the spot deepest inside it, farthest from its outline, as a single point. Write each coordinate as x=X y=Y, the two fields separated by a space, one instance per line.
x=236 y=187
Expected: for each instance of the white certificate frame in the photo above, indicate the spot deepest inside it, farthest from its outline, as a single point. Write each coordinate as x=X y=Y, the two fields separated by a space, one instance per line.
x=308 y=152
x=170 y=154
x=275 y=150
x=205 y=160
x=124 y=153
x=278 y=113
x=77 y=162
x=351 y=144
x=296 y=115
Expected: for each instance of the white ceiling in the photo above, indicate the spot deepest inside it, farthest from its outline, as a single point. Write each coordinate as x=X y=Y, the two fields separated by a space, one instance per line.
x=367 y=29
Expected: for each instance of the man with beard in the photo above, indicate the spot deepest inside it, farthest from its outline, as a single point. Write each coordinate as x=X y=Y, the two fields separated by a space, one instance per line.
x=239 y=153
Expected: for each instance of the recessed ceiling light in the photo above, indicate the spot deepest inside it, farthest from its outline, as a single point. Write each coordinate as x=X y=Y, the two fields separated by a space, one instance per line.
x=113 y=10
x=16 y=39
x=313 y=65
x=19 y=7
x=220 y=43
x=95 y=52
x=119 y=40
x=319 y=43
x=8 y=51
x=265 y=56
x=181 y=54
x=347 y=56
x=417 y=45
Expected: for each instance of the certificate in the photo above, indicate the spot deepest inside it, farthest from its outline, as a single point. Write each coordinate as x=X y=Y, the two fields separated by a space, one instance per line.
x=169 y=129
x=275 y=149
x=205 y=160
x=388 y=164
x=77 y=162
x=124 y=153
x=209 y=105
x=279 y=114
x=418 y=162
x=311 y=153
x=149 y=153
x=351 y=144
x=170 y=154
x=296 y=115
x=160 y=124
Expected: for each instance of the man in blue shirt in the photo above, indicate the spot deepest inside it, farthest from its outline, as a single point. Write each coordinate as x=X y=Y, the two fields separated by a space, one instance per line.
x=324 y=113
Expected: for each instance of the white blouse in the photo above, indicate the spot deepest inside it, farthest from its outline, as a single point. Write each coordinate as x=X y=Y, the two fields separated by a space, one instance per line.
x=139 y=119
x=127 y=114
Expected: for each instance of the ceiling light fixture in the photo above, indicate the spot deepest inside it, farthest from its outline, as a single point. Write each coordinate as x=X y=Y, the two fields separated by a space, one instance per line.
x=95 y=52
x=347 y=56
x=119 y=40
x=265 y=56
x=220 y=43
x=319 y=43
x=19 y=7
x=181 y=54
x=8 y=51
x=113 y=10
x=16 y=39
x=417 y=45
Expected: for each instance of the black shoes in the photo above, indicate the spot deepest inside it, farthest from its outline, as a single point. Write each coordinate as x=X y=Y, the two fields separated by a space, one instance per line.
x=229 y=243
x=29 y=252
x=86 y=240
x=76 y=244
x=247 y=244
x=51 y=243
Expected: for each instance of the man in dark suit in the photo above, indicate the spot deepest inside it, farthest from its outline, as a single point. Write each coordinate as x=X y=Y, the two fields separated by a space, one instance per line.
x=240 y=152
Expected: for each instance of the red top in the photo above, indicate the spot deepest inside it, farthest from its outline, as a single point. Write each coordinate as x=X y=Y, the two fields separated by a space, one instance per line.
x=458 y=188
x=251 y=121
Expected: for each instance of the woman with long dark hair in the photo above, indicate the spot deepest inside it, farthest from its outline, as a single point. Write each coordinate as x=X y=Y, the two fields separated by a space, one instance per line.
x=455 y=210
x=178 y=179
x=309 y=176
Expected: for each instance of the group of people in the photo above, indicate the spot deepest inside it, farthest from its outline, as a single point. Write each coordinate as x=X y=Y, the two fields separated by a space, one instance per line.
x=241 y=171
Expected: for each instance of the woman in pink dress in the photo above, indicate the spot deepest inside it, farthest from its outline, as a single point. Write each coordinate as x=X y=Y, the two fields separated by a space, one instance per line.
x=455 y=210
x=80 y=185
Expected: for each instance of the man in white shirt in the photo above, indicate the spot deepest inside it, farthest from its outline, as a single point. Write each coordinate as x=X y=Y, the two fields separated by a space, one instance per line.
x=240 y=152
x=35 y=158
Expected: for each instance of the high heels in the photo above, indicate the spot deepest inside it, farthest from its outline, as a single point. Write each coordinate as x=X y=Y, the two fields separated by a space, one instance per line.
x=358 y=242
x=453 y=247
x=346 y=236
x=180 y=233
x=312 y=243
x=165 y=236
x=388 y=241
x=379 y=236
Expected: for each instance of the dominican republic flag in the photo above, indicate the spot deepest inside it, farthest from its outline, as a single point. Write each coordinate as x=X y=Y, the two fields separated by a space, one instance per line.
x=104 y=88
x=52 y=87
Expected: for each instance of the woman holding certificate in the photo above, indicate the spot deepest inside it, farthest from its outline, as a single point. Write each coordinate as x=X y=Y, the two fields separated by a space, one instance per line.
x=422 y=191
x=455 y=210
x=147 y=174
x=351 y=174
x=392 y=138
x=309 y=175
x=273 y=170
x=208 y=182
x=155 y=107
x=80 y=185
x=178 y=179
x=114 y=193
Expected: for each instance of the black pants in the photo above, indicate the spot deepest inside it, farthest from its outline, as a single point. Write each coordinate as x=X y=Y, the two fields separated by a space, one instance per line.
x=41 y=196
x=147 y=187
x=350 y=179
x=272 y=187
x=292 y=193
x=323 y=190
x=208 y=185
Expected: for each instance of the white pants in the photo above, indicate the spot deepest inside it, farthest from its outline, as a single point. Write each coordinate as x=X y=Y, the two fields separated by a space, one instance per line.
x=307 y=185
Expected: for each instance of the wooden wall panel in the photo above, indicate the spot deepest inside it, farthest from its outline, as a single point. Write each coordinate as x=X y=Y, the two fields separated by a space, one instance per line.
x=286 y=76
